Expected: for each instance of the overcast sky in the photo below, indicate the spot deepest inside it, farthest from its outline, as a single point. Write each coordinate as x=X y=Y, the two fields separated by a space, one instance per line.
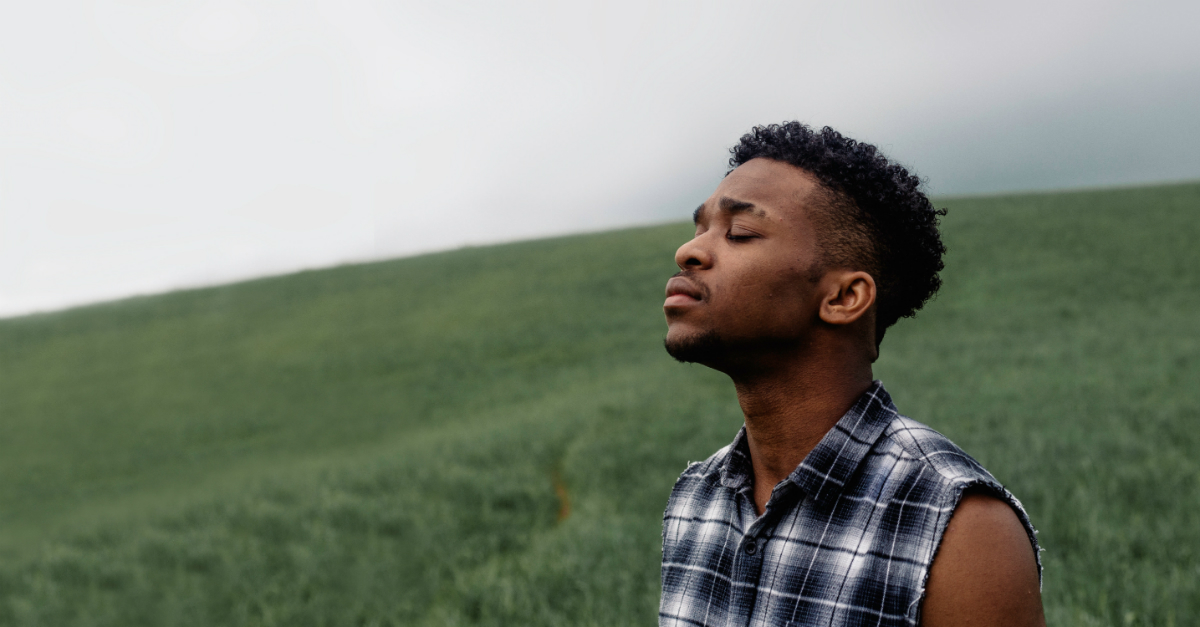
x=146 y=146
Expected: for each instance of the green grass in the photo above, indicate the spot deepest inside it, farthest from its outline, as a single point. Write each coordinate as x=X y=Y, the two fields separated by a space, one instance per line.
x=392 y=443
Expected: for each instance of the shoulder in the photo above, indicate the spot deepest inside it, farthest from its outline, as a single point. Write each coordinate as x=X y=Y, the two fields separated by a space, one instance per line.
x=699 y=477
x=929 y=450
x=697 y=495
x=709 y=468
x=984 y=544
x=949 y=475
x=945 y=473
x=984 y=572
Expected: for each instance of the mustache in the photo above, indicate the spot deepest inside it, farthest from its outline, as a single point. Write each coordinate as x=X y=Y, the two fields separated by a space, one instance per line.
x=691 y=278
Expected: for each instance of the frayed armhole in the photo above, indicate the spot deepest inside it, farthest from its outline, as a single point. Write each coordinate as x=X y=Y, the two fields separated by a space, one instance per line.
x=954 y=498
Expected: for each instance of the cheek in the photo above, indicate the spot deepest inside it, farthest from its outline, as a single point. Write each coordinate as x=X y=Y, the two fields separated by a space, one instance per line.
x=787 y=298
x=783 y=284
x=767 y=283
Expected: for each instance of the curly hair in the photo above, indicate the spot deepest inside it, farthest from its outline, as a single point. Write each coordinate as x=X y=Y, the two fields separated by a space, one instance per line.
x=873 y=215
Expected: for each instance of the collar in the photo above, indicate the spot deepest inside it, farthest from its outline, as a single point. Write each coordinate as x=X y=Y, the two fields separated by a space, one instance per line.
x=829 y=466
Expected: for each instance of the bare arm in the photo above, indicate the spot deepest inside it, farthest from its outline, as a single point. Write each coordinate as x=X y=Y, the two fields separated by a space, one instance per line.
x=985 y=573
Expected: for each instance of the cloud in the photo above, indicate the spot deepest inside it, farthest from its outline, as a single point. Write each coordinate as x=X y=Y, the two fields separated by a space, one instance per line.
x=258 y=137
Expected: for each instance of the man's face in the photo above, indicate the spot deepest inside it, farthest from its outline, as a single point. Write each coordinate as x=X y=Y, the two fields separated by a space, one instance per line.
x=749 y=278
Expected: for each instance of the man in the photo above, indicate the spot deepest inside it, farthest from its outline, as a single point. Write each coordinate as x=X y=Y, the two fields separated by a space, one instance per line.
x=829 y=507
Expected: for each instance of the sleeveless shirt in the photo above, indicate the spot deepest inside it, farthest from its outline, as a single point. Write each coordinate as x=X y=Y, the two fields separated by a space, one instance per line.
x=846 y=539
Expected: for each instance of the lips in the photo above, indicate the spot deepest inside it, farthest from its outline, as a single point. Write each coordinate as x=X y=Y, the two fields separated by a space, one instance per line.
x=682 y=292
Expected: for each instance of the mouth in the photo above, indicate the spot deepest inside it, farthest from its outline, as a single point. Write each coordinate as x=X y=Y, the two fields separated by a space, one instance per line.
x=681 y=293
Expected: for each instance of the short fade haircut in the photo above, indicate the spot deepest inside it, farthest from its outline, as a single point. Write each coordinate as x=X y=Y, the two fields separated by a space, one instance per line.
x=873 y=215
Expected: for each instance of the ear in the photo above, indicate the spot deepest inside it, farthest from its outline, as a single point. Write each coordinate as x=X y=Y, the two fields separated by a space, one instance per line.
x=848 y=296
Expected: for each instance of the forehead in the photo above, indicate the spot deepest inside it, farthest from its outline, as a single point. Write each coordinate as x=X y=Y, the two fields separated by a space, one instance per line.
x=775 y=187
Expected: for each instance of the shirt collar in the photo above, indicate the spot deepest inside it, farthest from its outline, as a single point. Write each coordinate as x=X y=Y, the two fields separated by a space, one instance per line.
x=827 y=468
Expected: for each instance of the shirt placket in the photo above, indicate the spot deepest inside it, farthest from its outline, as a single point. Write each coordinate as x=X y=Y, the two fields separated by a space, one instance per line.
x=748 y=557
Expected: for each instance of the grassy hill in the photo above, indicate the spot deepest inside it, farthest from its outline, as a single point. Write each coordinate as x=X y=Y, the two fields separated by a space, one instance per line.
x=487 y=436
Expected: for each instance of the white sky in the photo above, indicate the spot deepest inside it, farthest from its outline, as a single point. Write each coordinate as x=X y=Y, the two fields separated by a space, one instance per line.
x=146 y=146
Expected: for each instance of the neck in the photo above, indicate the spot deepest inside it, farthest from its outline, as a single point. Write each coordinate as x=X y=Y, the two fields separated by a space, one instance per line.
x=791 y=405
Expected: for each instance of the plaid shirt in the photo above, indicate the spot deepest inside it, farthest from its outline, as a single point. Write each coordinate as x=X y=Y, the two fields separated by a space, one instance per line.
x=846 y=539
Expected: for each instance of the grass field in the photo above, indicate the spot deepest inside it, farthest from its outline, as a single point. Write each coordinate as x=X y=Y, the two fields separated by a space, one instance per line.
x=487 y=436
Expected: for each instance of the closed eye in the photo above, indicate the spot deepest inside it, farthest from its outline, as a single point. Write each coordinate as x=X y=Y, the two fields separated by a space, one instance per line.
x=739 y=234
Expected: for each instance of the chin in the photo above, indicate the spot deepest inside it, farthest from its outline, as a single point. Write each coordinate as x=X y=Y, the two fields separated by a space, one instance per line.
x=700 y=348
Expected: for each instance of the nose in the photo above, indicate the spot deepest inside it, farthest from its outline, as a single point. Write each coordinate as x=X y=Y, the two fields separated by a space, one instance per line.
x=693 y=256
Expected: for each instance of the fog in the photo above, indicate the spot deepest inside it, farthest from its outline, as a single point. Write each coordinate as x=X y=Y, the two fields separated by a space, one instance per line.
x=151 y=146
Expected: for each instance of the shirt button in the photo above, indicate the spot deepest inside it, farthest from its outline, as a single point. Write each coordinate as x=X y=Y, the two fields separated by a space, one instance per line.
x=751 y=547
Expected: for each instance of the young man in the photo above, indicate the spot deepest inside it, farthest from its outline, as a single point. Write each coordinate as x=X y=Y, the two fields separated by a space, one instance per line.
x=829 y=507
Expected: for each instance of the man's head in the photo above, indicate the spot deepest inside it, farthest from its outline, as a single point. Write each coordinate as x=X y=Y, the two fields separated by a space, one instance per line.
x=809 y=233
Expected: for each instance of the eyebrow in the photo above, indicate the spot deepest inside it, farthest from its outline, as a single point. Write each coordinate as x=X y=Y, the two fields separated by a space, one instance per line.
x=731 y=206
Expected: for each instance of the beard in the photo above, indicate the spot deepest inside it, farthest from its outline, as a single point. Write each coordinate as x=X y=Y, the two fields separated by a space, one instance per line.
x=705 y=348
